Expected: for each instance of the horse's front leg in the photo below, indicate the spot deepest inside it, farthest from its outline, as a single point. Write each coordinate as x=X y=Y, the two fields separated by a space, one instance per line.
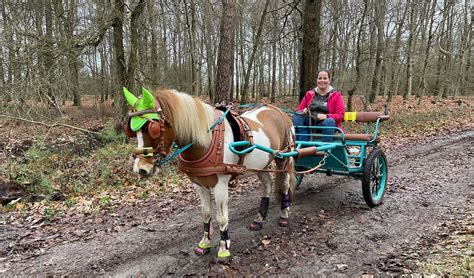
x=265 y=180
x=204 y=246
x=221 y=195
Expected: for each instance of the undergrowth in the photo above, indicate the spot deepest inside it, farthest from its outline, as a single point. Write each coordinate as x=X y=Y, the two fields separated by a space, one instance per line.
x=46 y=173
x=453 y=258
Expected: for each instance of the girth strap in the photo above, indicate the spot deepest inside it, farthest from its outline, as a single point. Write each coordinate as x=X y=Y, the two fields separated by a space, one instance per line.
x=226 y=169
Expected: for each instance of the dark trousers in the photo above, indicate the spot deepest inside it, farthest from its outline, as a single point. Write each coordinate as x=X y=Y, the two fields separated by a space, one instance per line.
x=303 y=120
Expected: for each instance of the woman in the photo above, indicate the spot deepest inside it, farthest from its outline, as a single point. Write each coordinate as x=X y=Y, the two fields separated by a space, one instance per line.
x=322 y=106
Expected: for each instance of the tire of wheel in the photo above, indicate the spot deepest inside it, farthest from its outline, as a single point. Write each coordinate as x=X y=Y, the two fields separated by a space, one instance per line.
x=374 y=177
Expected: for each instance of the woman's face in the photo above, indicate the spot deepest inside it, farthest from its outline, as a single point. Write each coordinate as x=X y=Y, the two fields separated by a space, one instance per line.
x=323 y=81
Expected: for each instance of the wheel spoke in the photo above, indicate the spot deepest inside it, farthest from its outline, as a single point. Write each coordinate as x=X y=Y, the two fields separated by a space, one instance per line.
x=375 y=186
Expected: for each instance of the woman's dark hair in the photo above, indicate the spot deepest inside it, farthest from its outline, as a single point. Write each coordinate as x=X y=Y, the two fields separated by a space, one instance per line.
x=326 y=71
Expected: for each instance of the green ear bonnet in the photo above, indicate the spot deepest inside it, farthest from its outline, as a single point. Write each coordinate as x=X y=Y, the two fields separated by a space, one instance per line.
x=145 y=102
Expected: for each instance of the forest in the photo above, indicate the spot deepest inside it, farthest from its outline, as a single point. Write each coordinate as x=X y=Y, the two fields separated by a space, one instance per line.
x=71 y=203
x=54 y=51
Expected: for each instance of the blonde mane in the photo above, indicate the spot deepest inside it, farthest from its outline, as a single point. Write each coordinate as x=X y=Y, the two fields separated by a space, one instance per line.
x=190 y=117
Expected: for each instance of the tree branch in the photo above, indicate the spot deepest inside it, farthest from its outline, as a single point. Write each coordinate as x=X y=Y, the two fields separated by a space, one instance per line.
x=51 y=125
x=445 y=52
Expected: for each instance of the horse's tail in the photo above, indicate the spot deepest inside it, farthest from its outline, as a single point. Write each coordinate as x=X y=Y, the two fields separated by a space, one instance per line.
x=285 y=181
x=292 y=178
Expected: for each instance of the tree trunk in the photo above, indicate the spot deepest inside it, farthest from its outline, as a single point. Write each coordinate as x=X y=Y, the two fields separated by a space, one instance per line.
x=468 y=50
x=310 y=52
x=120 y=68
x=422 y=85
x=464 y=51
x=358 y=57
x=135 y=32
x=253 y=53
x=393 y=85
x=379 y=13
x=191 y=28
x=154 y=44
x=410 y=51
x=225 y=57
x=274 y=72
x=444 y=52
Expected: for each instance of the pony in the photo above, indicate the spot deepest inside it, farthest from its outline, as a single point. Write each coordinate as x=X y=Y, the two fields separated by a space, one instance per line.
x=204 y=134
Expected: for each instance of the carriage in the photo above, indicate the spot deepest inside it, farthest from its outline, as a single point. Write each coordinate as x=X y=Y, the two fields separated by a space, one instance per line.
x=347 y=154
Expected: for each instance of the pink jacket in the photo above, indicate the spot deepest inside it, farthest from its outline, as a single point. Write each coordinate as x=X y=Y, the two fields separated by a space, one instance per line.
x=335 y=105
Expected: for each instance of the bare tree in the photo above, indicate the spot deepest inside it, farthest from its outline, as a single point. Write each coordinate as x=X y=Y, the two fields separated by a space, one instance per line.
x=379 y=14
x=135 y=33
x=253 y=53
x=429 y=10
x=358 y=57
x=226 y=53
x=310 y=50
x=393 y=87
x=120 y=68
x=190 y=14
x=410 y=48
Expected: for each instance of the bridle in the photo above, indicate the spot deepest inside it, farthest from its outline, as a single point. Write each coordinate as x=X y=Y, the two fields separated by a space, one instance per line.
x=155 y=129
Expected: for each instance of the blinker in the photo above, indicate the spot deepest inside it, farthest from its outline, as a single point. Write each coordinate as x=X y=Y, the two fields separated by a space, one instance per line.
x=154 y=129
x=128 y=131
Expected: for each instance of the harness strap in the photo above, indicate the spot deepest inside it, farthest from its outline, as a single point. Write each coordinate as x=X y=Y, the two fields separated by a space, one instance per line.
x=223 y=168
x=174 y=154
x=147 y=111
x=220 y=119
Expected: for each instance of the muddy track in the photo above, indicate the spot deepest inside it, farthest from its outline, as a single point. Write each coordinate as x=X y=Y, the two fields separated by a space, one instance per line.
x=332 y=231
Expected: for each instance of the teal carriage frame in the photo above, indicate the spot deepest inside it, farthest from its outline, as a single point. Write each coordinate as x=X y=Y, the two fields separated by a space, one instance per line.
x=354 y=155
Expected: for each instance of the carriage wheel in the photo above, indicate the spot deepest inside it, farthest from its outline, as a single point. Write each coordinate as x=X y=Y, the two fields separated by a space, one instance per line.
x=374 y=177
x=298 y=177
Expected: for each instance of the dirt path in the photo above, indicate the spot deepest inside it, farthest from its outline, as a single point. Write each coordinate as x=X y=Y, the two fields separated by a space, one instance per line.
x=332 y=231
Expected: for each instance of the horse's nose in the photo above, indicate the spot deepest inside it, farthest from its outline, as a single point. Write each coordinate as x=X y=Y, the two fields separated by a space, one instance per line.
x=143 y=172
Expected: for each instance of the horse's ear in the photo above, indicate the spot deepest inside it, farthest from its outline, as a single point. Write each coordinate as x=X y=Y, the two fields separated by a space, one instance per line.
x=148 y=99
x=131 y=98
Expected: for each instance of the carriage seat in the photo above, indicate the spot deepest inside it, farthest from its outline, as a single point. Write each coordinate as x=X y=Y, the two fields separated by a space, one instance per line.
x=363 y=117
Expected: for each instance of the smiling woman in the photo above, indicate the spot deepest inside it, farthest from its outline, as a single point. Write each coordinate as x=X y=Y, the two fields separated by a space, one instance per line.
x=321 y=106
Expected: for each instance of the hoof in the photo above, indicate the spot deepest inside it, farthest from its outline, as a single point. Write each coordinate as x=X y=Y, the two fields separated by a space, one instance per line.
x=202 y=250
x=255 y=226
x=224 y=257
x=283 y=222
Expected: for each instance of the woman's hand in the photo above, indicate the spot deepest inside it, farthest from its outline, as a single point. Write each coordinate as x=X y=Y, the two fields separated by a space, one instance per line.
x=305 y=110
x=321 y=117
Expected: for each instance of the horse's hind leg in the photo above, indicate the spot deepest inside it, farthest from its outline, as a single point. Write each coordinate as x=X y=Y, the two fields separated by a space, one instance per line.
x=221 y=195
x=265 y=180
x=284 y=189
x=204 y=246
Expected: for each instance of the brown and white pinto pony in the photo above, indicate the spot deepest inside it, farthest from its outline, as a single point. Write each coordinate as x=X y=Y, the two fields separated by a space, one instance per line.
x=184 y=120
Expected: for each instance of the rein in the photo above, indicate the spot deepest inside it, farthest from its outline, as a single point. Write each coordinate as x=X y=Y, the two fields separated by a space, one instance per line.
x=174 y=154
